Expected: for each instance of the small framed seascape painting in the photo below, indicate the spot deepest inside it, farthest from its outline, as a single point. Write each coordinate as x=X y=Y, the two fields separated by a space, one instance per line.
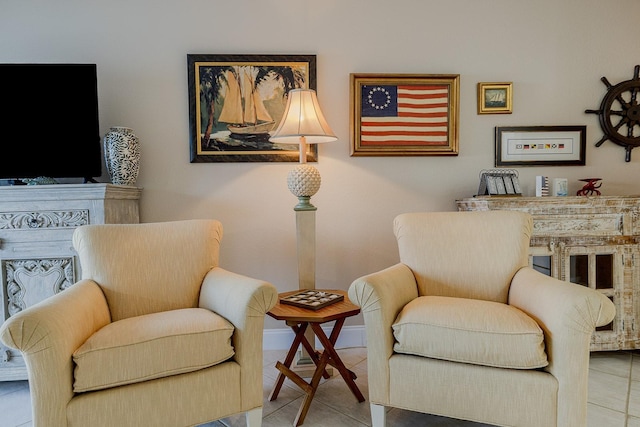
x=495 y=98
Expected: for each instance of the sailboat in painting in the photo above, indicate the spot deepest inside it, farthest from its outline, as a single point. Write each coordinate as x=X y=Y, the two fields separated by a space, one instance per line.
x=495 y=98
x=243 y=110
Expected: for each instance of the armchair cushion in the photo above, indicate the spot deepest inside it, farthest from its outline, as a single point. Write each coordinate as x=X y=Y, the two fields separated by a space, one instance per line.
x=470 y=331
x=152 y=346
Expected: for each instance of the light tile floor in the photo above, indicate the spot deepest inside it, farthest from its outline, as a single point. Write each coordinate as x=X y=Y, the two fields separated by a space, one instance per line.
x=614 y=397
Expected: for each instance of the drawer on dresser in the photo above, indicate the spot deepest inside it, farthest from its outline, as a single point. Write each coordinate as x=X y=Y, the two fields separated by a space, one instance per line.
x=610 y=224
x=21 y=216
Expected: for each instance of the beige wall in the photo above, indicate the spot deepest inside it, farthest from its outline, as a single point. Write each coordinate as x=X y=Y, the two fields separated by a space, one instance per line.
x=554 y=52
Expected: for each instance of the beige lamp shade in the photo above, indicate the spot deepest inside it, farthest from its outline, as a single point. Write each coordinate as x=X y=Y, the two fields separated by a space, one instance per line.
x=303 y=118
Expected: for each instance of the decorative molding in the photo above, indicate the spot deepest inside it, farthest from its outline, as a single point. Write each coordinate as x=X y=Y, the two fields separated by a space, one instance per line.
x=56 y=274
x=43 y=219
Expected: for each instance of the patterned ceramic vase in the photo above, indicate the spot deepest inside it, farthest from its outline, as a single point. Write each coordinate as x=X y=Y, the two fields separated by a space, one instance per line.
x=122 y=155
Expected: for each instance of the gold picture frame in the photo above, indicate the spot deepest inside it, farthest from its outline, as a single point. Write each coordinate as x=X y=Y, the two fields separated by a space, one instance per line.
x=404 y=114
x=495 y=98
x=213 y=138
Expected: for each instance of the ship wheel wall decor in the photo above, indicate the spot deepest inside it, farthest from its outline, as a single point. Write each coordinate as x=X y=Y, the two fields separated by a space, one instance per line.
x=620 y=114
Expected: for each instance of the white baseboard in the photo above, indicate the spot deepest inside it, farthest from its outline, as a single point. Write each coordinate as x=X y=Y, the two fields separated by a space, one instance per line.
x=280 y=339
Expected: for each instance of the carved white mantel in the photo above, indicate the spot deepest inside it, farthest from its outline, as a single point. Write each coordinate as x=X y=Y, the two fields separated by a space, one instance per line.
x=37 y=259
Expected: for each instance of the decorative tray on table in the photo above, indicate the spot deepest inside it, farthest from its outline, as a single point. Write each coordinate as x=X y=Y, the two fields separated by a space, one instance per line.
x=311 y=299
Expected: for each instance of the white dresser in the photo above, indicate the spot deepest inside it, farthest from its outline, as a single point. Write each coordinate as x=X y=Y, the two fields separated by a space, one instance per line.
x=37 y=259
x=592 y=241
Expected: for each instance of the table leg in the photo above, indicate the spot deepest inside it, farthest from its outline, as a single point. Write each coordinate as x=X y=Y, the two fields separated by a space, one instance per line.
x=334 y=358
x=289 y=359
x=313 y=354
x=311 y=390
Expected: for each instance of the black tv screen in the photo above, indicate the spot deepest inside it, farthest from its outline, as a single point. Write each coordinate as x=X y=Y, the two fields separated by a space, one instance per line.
x=49 y=121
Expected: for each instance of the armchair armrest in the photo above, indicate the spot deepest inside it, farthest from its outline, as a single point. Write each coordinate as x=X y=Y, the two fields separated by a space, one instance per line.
x=236 y=297
x=568 y=314
x=564 y=310
x=243 y=301
x=47 y=334
x=381 y=296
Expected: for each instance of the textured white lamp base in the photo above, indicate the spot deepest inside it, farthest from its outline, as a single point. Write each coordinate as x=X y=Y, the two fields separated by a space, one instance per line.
x=304 y=181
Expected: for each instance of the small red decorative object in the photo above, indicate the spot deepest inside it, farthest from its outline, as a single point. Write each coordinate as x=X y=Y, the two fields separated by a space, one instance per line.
x=590 y=188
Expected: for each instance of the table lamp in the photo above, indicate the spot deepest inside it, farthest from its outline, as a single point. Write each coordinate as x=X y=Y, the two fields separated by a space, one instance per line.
x=303 y=123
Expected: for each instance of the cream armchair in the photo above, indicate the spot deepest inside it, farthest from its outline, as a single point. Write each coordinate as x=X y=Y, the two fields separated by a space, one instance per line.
x=463 y=327
x=155 y=333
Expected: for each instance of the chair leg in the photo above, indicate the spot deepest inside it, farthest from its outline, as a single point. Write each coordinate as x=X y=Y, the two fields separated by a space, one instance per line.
x=378 y=415
x=254 y=417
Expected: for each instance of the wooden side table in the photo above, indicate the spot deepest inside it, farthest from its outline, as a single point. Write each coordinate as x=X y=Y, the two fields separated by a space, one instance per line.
x=299 y=319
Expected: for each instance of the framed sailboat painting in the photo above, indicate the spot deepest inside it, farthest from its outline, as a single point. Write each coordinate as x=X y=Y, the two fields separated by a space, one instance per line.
x=495 y=98
x=237 y=101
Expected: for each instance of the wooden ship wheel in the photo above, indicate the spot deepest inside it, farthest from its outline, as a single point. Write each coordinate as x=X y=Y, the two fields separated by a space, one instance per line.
x=620 y=113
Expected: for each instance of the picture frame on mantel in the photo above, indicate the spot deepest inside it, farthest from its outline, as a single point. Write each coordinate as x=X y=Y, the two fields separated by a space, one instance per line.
x=404 y=114
x=235 y=100
x=495 y=98
x=540 y=146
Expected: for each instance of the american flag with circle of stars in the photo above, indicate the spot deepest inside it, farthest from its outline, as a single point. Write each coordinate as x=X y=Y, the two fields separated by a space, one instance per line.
x=404 y=115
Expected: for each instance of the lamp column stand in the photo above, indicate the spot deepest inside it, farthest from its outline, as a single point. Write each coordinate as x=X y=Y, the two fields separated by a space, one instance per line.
x=306 y=240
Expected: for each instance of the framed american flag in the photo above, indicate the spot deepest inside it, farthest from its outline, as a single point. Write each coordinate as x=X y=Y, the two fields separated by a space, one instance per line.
x=404 y=114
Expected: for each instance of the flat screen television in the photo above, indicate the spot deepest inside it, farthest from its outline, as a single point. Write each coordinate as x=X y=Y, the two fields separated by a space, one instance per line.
x=49 y=122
